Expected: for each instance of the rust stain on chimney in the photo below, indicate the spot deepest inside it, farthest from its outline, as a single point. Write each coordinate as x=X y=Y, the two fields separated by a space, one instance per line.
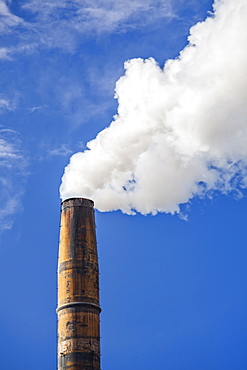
x=78 y=288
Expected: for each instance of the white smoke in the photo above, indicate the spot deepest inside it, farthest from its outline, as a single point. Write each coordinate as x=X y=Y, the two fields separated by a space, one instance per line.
x=180 y=131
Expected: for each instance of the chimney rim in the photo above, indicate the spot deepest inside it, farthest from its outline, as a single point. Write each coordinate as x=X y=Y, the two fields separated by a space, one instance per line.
x=78 y=202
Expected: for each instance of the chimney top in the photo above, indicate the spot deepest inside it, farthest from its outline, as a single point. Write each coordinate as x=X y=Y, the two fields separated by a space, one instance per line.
x=77 y=202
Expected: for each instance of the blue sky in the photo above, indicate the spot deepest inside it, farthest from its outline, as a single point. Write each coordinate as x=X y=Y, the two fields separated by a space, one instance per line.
x=173 y=285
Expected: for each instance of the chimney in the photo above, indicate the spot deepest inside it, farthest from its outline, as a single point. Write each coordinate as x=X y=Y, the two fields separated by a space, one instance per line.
x=78 y=288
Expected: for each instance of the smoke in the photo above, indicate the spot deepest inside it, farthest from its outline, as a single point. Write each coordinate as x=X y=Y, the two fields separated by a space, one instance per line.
x=180 y=131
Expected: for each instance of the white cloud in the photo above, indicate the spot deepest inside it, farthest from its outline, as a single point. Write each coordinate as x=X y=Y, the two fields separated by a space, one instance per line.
x=63 y=150
x=7 y=19
x=99 y=16
x=118 y=16
x=61 y=23
x=180 y=131
x=34 y=109
x=6 y=104
x=13 y=166
x=5 y=53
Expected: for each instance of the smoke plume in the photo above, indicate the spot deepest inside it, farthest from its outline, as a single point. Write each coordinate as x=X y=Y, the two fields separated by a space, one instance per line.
x=180 y=131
